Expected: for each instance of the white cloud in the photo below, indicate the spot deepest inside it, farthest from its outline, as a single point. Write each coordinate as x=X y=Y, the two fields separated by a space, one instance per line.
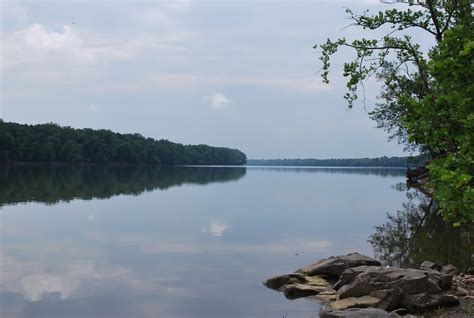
x=37 y=45
x=215 y=228
x=93 y=108
x=219 y=101
x=35 y=280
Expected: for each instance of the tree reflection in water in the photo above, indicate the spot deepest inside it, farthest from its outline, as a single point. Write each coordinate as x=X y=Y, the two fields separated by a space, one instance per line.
x=417 y=233
x=52 y=184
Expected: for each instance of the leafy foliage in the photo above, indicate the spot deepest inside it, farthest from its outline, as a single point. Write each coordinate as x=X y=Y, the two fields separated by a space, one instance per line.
x=427 y=99
x=53 y=143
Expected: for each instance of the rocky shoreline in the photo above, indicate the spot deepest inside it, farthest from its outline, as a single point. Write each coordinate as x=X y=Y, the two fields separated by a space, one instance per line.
x=355 y=285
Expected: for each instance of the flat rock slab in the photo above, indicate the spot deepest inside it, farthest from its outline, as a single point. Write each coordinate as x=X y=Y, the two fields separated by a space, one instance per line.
x=327 y=312
x=334 y=266
x=280 y=282
x=356 y=302
x=408 y=281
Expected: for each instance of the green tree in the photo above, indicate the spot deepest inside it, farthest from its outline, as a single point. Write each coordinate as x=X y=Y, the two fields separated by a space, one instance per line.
x=426 y=101
x=51 y=142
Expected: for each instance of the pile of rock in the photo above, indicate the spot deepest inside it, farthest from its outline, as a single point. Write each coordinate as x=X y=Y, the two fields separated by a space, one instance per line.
x=355 y=285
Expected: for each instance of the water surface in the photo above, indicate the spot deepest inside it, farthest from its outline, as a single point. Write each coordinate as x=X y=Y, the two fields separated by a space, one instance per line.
x=179 y=242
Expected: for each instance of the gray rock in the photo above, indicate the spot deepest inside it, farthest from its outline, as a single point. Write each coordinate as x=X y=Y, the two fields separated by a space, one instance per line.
x=413 y=289
x=405 y=281
x=334 y=266
x=365 y=289
x=327 y=312
x=389 y=299
x=356 y=302
x=349 y=275
x=449 y=269
x=430 y=265
x=426 y=301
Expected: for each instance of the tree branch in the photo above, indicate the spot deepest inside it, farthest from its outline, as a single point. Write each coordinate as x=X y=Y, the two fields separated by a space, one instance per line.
x=439 y=35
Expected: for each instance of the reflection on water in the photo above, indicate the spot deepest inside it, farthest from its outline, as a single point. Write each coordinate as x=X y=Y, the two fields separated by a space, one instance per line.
x=52 y=184
x=417 y=233
x=200 y=249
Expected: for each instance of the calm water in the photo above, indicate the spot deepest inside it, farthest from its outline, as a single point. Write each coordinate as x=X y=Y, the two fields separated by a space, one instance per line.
x=185 y=242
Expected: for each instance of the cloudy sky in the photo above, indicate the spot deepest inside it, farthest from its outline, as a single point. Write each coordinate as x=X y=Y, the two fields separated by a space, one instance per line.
x=240 y=74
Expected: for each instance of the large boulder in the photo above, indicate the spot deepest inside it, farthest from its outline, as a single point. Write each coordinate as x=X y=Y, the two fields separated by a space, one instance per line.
x=334 y=266
x=407 y=281
x=413 y=289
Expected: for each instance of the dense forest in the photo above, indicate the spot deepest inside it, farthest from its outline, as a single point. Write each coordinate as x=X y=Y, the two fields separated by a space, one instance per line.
x=52 y=143
x=58 y=183
x=398 y=162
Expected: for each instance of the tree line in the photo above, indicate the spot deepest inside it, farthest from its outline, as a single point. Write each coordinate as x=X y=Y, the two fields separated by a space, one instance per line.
x=46 y=143
x=397 y=162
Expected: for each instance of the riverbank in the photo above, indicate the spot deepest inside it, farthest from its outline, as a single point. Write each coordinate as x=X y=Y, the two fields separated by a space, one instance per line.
x=355 y=285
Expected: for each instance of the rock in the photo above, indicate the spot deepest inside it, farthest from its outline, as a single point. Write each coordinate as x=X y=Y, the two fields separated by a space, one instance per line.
x=317 y=282
x=365 y=289
x=405 y=281
x=460 y=291
x=356 y=302
x=349 y=275
x=334 y=266
x=327 y=296
x=400 y=311
x=426 y=301
x=277 y=282
x=297 y=285
x=390 y=299
x=326 y=312
x=430 y=265
x=381 y=299
x=413 y=289
x=449 y=269
x=470 y=270
x=295 y=291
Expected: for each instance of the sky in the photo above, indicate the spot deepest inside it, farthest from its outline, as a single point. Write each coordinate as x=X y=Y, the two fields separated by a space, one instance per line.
x=239 y=74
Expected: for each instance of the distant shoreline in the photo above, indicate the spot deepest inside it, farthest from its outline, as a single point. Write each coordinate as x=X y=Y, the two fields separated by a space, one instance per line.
x=338 y=167
x=380 y=162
